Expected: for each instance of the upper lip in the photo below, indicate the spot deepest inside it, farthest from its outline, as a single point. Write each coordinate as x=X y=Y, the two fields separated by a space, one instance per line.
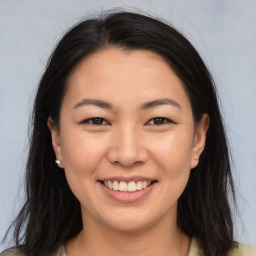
x=128 y=179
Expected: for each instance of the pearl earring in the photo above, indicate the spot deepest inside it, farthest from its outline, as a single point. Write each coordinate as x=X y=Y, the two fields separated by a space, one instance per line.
x=58 y=161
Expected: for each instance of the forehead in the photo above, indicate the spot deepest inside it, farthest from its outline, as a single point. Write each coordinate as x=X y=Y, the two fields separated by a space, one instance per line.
x=131 y=63
x=125 y=74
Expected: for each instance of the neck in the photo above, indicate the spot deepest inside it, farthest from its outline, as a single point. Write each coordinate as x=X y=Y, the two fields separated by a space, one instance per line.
x=163 y=238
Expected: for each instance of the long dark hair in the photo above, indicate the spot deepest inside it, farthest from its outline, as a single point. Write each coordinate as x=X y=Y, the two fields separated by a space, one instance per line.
x=51 y=214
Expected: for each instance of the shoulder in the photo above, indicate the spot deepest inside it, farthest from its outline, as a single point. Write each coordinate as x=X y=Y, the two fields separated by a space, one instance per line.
x=14 y=251
x=238 y=250
x=243 y=250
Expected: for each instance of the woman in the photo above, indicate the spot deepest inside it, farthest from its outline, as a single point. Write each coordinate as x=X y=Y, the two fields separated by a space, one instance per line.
x=128 y=154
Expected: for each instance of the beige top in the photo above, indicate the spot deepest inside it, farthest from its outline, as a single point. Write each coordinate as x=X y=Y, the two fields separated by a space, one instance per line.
x=241 y=250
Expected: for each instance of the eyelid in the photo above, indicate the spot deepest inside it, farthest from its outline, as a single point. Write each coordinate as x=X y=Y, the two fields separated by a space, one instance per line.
x=166 y=121
x=87 y=121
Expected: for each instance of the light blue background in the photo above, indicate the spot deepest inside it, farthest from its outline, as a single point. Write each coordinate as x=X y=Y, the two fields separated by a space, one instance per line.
x=224 y=32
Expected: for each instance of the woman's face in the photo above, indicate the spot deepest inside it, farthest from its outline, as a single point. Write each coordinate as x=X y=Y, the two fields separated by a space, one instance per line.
x=126 y=120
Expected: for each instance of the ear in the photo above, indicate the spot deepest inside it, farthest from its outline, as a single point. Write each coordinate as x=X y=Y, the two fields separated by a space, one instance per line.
x=199 y=139
x=55 y=140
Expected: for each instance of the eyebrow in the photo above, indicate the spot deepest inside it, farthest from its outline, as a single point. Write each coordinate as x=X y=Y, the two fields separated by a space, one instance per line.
x=98 y=103
x=144 y=106
x=159 y=102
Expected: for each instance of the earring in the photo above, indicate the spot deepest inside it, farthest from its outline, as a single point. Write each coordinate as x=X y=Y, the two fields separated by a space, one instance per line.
x=58 y=161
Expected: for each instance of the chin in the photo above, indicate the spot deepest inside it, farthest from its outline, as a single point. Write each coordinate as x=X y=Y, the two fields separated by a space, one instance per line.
x=128 y=223
x=129 y=227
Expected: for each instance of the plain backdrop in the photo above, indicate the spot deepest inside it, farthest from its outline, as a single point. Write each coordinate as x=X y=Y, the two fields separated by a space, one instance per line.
x=222 y=31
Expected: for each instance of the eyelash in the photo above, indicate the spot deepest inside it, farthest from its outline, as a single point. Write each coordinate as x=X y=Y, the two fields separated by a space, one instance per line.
x=90 y=121
x=165 y=120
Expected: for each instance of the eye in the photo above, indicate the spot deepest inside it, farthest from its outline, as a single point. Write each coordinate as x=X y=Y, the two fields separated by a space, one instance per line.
x=159 y=121
x=95 y=121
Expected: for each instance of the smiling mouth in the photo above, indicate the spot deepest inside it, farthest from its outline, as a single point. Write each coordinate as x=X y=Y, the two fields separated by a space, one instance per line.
x=123 y=186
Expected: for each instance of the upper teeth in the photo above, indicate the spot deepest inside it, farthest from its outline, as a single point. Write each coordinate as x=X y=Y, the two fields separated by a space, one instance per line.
x=127 y=186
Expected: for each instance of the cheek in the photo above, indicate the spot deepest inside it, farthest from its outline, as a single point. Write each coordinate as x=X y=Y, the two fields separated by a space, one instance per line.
x=173 y=153
x=174 y=160
x=81 y=150
x=81 y=157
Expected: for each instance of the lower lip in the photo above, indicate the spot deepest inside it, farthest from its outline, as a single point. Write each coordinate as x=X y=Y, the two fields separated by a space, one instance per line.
x=127 y=197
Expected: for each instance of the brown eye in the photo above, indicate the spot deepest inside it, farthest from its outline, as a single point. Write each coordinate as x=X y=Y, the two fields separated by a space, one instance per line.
x=159 y=121
x=95 y=121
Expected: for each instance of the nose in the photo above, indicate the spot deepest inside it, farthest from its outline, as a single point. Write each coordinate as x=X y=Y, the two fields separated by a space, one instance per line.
x=127 y=148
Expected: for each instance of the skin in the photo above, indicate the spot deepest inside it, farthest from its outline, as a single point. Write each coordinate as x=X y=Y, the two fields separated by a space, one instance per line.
x=128 y=142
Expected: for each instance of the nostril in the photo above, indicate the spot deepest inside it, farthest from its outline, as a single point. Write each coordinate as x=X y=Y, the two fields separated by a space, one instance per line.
x=127 y=155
